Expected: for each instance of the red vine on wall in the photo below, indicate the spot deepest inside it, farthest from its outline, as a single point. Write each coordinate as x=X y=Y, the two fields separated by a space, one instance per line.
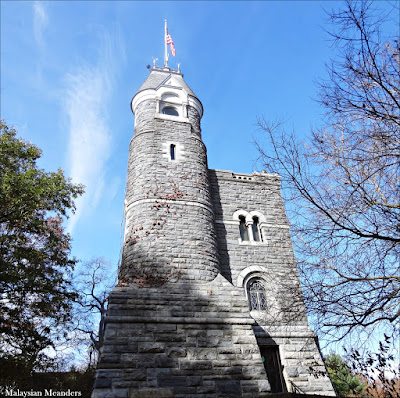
x=140 y=275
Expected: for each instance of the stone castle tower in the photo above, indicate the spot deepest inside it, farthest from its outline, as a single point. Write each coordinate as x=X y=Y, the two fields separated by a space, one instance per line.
x=208 y=302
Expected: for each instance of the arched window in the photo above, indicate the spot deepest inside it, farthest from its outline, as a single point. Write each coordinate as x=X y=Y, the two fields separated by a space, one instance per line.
x=244 y=235
x=251 y=226
x=169 y=110
x=172 y=151
x=256 y=230
x=256 y=295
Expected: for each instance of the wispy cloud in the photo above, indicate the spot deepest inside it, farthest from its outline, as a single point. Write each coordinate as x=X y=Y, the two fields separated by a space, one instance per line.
x=40 y=21
x=88 y=93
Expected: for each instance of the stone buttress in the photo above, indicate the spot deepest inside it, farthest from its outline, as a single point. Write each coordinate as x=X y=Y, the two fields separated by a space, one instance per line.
x=178 y=323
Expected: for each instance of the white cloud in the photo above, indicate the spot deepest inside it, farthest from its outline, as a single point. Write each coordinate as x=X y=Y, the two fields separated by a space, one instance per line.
x=86 y=102
x=40 y=21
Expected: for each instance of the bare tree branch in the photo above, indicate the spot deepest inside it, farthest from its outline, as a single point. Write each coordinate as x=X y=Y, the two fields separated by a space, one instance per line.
x=94 y=283
x=342 y=184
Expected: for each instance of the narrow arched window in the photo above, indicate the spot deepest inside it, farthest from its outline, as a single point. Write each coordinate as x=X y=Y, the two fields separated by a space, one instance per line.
x=244 y=235
x=256 y=295
x=256 y=230
x=169 y=110
x=172 y=151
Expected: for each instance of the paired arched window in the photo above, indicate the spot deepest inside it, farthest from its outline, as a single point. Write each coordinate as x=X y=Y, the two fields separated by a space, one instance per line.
x=249 y=226
x=256 y=295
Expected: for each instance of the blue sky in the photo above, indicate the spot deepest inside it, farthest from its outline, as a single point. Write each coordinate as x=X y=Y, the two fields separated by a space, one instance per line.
x=69 y=70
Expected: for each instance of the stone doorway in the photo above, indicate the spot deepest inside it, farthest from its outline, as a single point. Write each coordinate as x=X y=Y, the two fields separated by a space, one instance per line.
x=273 y=368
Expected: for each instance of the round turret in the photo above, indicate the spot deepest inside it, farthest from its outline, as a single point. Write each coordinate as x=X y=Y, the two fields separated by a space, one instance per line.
x=169 y=232
x=164 y=94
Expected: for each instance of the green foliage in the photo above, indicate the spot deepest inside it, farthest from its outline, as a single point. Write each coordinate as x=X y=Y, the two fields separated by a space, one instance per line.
x=35 y=263
x=343 y=378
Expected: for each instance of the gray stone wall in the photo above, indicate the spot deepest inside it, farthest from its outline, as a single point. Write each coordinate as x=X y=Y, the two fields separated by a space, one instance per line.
x=182 y=340
x=299 y=353
x=174 y=327
x=169 y=219
x=178 y=323
x=256 y=192
x=194 y=119
x=284 y=323
x=144 y=117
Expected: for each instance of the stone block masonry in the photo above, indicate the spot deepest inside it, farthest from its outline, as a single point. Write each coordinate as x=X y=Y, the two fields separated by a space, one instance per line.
x=181 y=340
x=284 y=323
x=208 y=302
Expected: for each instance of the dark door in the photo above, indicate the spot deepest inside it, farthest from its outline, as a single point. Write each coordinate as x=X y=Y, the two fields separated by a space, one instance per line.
x=272 y=365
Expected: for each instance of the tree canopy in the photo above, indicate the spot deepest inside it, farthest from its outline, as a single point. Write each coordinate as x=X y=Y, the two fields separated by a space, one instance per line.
x=35 y=259
x=345 y=381
x=342 y=183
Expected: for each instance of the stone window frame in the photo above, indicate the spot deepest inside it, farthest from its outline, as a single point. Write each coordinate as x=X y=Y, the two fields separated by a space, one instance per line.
x=258 y=272
x=260 y=277
x=256 y=294
x=179 y=151
x=249 y=219
x=171 y=98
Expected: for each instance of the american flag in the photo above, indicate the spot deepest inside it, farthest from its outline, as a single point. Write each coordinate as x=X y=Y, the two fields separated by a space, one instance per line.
x=171 y=44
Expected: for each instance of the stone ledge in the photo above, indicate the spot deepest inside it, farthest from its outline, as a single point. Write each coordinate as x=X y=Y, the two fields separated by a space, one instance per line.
x=283 y=331
x=133 y=319
x=185 y=202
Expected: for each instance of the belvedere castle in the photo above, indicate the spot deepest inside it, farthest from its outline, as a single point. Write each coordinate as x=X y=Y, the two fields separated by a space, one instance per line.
x=208 y=302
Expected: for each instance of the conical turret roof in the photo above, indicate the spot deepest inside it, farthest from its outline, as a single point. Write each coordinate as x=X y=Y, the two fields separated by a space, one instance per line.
x=165 y=77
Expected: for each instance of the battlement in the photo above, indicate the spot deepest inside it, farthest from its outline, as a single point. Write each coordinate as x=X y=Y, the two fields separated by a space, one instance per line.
x=256 y=176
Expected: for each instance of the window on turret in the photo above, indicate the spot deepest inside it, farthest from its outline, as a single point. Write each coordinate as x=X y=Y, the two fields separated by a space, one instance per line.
x=169 y=110
x=172 y=151
x=256 y=295
x=244 y=234
x=256 y=230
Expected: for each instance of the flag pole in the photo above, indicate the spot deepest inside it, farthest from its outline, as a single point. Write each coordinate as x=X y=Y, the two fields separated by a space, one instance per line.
x=165 y=46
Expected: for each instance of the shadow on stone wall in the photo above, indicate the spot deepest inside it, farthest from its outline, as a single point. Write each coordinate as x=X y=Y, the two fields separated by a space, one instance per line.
x=220 y=228
x=178 y=339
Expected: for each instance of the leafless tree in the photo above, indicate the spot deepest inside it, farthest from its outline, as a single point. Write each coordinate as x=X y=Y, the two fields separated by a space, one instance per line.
x=93 y=283
x=342 y=184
